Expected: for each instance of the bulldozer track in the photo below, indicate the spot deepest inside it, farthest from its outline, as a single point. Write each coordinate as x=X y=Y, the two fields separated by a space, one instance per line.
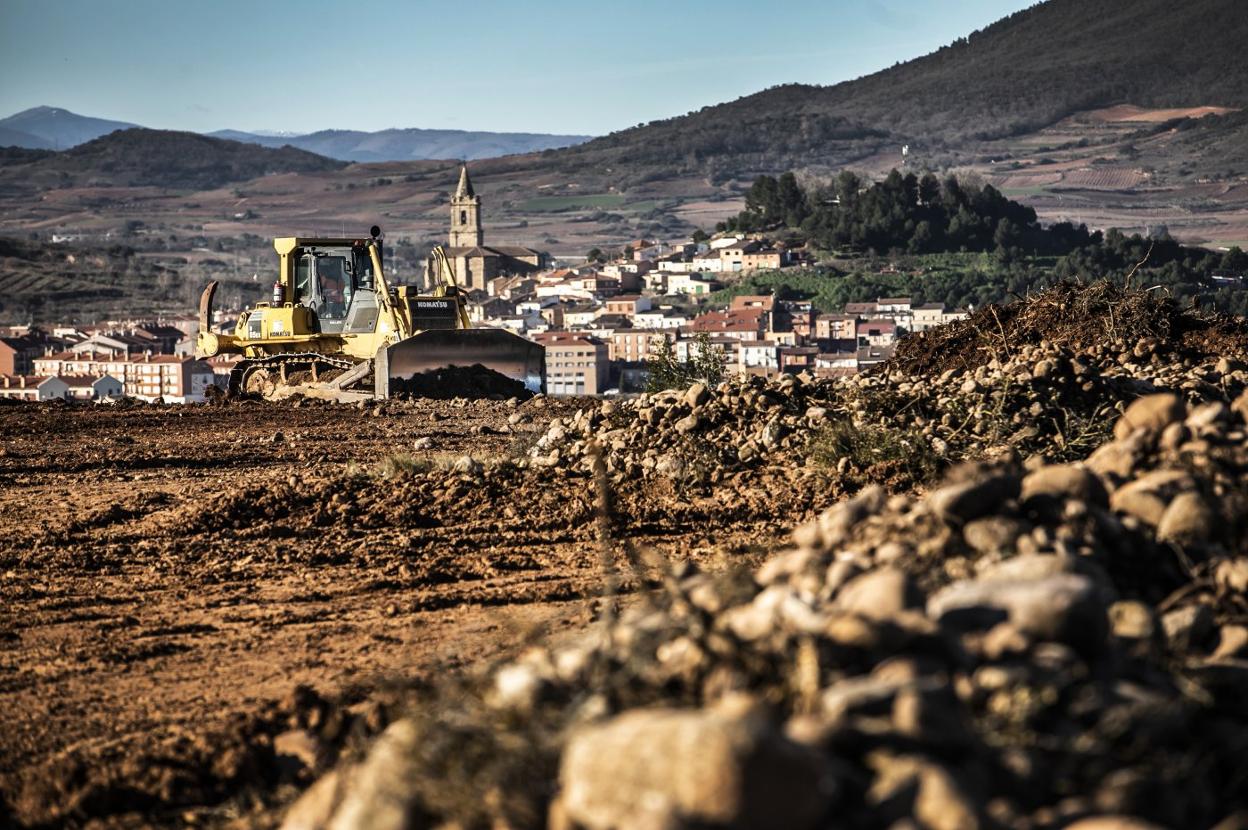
x=239 y=374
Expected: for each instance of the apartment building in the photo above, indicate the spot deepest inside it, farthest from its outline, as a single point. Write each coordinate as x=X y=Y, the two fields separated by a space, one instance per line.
x=576 y=364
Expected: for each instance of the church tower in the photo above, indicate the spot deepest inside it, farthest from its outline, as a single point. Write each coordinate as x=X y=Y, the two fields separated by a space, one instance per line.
x=466 y=214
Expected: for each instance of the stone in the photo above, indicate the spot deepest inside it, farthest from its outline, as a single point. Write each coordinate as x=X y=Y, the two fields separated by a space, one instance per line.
x=467 y=465
x=670 y=466
x=297 y=749
x=1232 y=575
x=1188 y=628
x=1112 y=823
x=1132 y=620
x=688 y=424
x=1116 y=458
x=423 y=443
x=1064 y=481
x=1026 y=567
x=314 y=809
x=1143 y=505
x=696 y=395
x=963 y=502
x=1232 y=642
x=1187 y=520
x=1151 y=413
x=880 y=594
x=380 y=795
x=1064 y=607
x=676 y=768
x=994 y=534
x=941 y=804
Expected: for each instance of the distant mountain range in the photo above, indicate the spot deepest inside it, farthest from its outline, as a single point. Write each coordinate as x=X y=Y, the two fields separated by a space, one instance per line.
x=52 y=128
x=410 y=144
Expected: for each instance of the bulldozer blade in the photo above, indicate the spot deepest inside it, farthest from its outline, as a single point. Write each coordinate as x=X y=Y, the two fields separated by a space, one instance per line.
x=399 y=366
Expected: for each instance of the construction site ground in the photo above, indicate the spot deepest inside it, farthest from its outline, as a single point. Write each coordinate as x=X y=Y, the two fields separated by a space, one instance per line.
x=150 y=604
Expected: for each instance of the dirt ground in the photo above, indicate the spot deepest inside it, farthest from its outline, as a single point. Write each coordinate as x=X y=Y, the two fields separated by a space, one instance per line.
x=170 y=574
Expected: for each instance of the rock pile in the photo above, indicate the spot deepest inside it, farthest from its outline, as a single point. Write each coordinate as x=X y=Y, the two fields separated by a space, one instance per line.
x=1030 y=645
x=891 y=426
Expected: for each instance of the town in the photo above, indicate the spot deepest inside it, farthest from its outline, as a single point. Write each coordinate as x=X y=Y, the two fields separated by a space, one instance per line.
x=600 y=321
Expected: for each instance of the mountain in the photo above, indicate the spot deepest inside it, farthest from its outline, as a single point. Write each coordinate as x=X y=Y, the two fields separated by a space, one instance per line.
x=1023 y=72
x=160 y=158
x=410 y=144
x=52 y=128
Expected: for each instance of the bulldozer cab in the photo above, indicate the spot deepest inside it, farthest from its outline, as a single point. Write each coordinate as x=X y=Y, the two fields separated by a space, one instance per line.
x=337 y=284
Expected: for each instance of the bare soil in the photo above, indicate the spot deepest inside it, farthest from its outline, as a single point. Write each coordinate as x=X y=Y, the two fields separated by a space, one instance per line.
x=172 y=578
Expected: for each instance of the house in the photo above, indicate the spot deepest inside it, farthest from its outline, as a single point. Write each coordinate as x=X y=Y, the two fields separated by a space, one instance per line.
x=732 y=257
x=869 y=356
x=17 y=354
x=661 y=318
x=763 y=259
x=795 y=359
x=636 y=345
x=169 y=378
x=687 y=350
x=839 y=360
x=861 y=309
x=656 y=282
x=576 y=364
x=892 y=305
x=580 y=315
x=756 y=354
x=741 y=324
x=88 y=388
x=494 y=307
x=165 y=337
x=597 y=285
x=707 y=263
x=630 y=274
x=511 y=287
x=927 y=316
x=628 y=304
x=765 y=302
x=836 y=327
x=877 y=332
x=690 y=284
x=32 y=388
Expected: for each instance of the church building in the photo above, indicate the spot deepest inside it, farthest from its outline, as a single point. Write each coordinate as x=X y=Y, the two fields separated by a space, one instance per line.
x=475 y=262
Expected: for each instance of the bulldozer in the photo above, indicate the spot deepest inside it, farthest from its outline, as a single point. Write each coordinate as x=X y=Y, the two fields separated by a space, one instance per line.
x=334 y=321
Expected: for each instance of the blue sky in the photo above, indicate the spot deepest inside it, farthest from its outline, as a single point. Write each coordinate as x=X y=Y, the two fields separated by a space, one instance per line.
x=539 y=66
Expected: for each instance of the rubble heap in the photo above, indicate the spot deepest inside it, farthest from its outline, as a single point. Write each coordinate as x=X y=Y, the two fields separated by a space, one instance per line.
x=1048 y=645
x=1007 y=396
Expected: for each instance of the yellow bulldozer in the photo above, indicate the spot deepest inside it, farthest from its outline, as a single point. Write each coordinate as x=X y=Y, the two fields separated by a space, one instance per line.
x=333 y=321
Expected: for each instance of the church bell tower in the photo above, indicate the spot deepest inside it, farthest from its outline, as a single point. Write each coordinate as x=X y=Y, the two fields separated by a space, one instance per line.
x=466 y=214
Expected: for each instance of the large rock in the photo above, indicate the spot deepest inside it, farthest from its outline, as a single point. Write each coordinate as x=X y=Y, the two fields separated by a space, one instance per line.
x=376 y=794
x=1064 y=607
x=1065 y=481
x=880 y=594
x=1187 y=520
x=1151 y=414
x=672 y=768
x=970 y=500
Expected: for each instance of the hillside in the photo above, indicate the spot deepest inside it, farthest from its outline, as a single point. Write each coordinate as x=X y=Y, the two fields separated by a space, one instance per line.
x=411 y=144
x=160 y=158
x=53 y=128
x=1021 y=73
